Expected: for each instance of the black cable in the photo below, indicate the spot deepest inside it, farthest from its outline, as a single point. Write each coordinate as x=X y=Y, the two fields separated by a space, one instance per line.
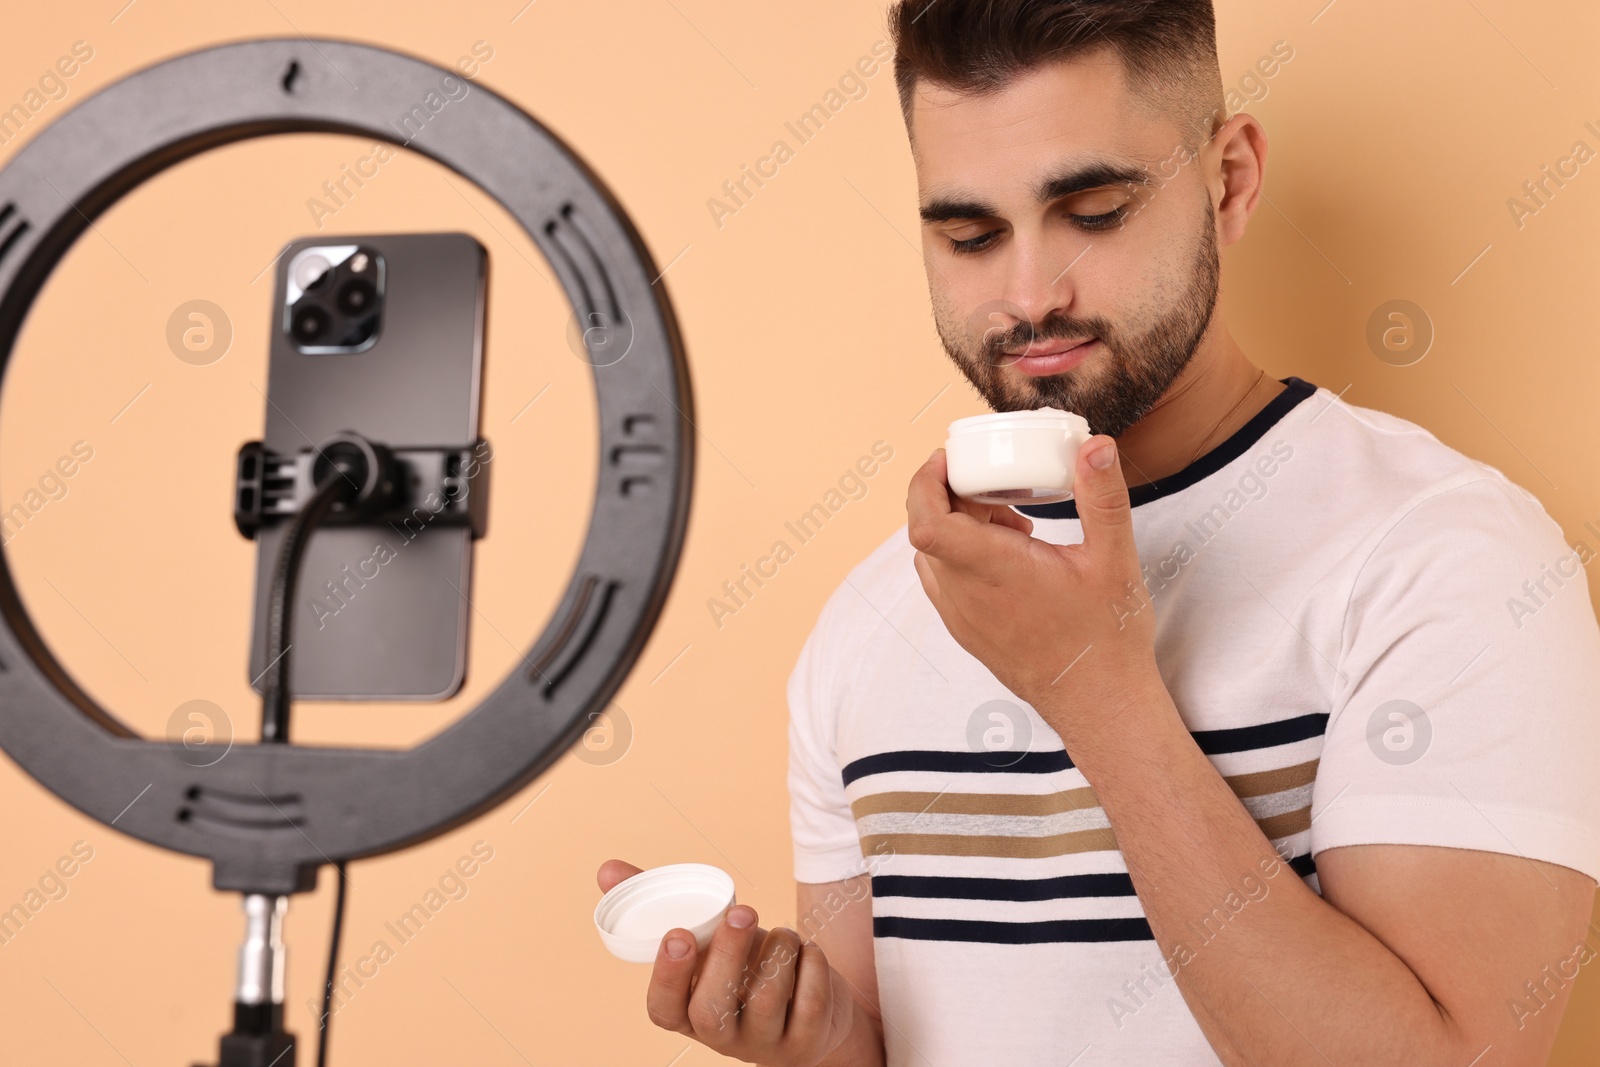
x=333 y=962
x=336 y=486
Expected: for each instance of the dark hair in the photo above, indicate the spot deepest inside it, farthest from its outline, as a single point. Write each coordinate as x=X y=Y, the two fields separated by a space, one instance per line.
x=1167 y=47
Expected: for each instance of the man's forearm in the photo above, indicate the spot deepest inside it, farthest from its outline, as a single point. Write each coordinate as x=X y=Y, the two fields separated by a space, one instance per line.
x=1285 y=976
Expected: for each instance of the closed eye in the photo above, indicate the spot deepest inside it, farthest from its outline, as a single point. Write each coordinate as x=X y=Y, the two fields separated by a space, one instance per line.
x=1091 y=223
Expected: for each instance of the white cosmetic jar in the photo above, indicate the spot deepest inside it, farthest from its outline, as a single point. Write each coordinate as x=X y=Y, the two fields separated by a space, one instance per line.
x=638 y=911
x=1015 y=457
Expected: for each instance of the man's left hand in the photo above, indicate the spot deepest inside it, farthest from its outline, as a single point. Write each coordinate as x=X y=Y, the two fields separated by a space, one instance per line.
x=1068 y=628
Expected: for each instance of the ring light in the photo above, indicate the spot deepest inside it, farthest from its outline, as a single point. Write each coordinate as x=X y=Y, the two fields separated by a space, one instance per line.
x=269 y=815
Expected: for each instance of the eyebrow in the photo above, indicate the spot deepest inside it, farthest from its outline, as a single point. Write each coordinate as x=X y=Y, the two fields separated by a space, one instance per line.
x=1074 y=179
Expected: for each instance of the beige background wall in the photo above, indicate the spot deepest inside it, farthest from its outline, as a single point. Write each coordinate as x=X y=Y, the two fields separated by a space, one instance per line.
x=1398 y=134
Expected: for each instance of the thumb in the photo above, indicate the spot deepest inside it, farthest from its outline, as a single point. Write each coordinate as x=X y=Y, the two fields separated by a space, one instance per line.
x=1102 y=497
x=613 y=871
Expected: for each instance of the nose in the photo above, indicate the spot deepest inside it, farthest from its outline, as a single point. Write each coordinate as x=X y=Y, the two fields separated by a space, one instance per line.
x=1040 y=281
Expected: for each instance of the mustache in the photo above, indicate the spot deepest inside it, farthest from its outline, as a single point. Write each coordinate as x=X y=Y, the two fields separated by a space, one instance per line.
x=1059 y=329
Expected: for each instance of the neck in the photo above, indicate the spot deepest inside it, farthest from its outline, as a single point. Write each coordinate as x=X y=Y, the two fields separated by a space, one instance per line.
x=1219 y=383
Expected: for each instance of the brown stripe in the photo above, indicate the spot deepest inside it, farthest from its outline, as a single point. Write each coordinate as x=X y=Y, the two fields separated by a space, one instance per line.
x=1290 y=822
x=1254 y=784
x=1260 y=783
x=1099 y=840
x=948 y=803
x=1102 y=839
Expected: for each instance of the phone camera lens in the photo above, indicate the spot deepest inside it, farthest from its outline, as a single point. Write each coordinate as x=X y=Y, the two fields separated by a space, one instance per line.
x=309 y=323
x=312 y=271
x=356 y=296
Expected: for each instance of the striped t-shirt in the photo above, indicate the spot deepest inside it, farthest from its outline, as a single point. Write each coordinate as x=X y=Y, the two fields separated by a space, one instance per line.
x=1374 y=638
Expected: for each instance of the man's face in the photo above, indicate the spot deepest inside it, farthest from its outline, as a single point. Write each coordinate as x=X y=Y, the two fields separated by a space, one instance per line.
x=1120 y=252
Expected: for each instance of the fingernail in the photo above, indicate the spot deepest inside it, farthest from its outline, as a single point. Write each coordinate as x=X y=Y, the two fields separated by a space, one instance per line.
x=1104 y=456
x=739 y=918
x=677 y=947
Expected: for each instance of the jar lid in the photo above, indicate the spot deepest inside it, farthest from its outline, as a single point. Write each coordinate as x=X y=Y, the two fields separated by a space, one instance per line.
x=1037 y=418
x=636 y=913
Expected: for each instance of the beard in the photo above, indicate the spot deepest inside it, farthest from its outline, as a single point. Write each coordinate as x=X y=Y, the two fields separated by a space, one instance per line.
x=1140 y=364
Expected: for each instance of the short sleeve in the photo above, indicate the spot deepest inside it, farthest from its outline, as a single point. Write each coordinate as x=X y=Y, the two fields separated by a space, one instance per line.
x=1467 y=709
x=826 y=845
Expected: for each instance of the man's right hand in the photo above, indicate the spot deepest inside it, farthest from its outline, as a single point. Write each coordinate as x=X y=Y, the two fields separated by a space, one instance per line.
x=763 y=996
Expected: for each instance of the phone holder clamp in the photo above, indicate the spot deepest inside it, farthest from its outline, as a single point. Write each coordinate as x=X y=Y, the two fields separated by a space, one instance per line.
x=402 y=486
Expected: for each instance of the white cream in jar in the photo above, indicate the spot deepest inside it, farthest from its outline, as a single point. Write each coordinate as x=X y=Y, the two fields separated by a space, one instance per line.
x=1015 y=457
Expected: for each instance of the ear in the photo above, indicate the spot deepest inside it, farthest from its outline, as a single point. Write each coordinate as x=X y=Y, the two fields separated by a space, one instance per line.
x=1239 y=151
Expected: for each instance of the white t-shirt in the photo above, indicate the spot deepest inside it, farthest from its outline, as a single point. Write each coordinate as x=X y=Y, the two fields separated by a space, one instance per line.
x=1373 y=637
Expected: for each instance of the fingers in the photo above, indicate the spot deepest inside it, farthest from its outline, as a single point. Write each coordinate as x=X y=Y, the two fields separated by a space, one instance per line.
x=821 y=1008
x=927 y=496
x=770 y=984
x=1004 y=515
x=666 y=1000
x=613 y=871
x=930 y=494
x=929 y=487
x=956 y=531
x=998 y=514
x=1103 y=499
x=756 y=995
x=714 y=1007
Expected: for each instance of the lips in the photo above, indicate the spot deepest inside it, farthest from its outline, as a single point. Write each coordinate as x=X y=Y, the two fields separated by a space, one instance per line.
x=1049 y=348
x=1046 y=358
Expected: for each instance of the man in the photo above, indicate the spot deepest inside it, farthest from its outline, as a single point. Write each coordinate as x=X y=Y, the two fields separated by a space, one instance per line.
x=1249 y=763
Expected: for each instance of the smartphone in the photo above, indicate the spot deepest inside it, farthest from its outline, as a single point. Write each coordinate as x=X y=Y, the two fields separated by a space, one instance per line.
x=381 y=335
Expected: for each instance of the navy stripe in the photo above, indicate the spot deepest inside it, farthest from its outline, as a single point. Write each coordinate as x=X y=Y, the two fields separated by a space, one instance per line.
x=1045 y=762
x=1002 y=933
x=1211 y=742
x=1062 y=887
x=1295 y=390
x=1261 y=735
x=1067 y=885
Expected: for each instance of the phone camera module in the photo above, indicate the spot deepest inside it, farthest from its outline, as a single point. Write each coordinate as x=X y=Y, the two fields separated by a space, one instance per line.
x=334 y=297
